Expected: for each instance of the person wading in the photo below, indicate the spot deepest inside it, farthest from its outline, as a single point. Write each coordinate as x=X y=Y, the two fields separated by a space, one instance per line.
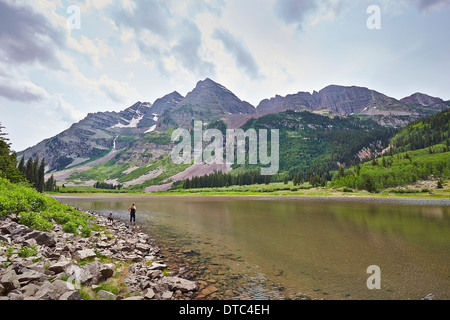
x=132 y=210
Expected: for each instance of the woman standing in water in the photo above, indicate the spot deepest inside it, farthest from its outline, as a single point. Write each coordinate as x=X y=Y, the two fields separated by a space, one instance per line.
x=132 y=211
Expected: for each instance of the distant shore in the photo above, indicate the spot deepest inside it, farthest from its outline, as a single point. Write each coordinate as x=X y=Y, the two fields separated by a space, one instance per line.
x=395 y=199
x=309 y=193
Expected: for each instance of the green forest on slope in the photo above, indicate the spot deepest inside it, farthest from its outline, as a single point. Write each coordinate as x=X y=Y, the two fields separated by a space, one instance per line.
x=421 y=150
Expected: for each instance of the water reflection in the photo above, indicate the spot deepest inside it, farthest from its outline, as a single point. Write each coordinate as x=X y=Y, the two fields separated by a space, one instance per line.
x=259 y=248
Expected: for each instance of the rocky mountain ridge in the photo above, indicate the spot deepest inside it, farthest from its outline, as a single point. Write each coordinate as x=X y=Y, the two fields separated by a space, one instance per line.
x=105 y=136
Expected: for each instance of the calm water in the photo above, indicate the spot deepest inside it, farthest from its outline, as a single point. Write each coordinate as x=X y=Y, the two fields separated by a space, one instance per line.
x=269 y=248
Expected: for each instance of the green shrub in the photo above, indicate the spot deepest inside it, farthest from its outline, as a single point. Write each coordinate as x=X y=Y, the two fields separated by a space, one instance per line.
x=70 y=227
x=86 y=232
x=35 y=221
x=26 y=252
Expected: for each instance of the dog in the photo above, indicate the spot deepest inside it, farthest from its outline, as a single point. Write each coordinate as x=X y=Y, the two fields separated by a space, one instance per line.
x=110 y=217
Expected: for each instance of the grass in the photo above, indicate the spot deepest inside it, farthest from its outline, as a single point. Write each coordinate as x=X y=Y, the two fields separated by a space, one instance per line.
x=279 y=189
x=41 y=212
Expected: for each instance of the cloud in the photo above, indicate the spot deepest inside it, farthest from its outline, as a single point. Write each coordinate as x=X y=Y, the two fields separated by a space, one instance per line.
x=151 y=15
x=64 y=111
x=162 y=35
x=24 y=91
x=27 y=37
x=115 y=90
x=295 y=11
x=243 y=57
x=429 y=5
x=187 y=50
x=95 y=49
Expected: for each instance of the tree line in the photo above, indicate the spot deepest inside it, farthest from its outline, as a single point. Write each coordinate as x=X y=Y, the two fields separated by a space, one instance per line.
x=33 y=171
x=107 y=186
x=220 y=179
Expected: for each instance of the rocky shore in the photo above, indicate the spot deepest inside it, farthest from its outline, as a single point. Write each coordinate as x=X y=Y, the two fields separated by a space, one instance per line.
x=116 y=263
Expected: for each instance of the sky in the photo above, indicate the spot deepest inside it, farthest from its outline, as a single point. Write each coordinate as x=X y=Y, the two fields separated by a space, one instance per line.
x=60 y=60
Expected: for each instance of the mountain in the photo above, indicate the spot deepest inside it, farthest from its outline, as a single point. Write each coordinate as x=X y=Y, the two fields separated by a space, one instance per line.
x=132 y=147
x=360 y=101
x=209 y=100
x=309 y=140
x=166 y=103
x=93 y=137
x=422 y=99
x=418 y=157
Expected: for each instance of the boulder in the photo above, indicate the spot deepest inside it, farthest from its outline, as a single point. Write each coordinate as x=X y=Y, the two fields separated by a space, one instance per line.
x=62 y=287
x=150 y=294
x=71 y=295
x=84 y=254
x=9 y=281
x=92 y=273
x=135 y=298
x=42 y=238
x=175 y=283
x=30 y=275
x=167 y=295
x=60 y=266
x=47 y=292
x=157 y=266
x=106 y=295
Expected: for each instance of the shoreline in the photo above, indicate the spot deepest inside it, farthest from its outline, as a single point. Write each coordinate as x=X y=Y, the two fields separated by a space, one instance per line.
x=340 y=198
x=116 y=263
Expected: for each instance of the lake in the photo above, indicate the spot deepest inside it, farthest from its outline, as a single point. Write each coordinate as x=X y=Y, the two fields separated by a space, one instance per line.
x=296 y=248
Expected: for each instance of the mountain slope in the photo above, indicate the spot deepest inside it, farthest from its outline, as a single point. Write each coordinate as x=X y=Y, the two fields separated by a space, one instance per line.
x=309 y=140
x=209 y=100
x=360 y=101
x=420 y=151
x=133 y=145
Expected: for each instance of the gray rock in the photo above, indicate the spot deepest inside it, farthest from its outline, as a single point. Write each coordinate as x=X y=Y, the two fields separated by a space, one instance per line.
x=62 y=287
x=150 y=294
x=71 y=295
x=5 y=238
x=30 y=275
x=157 y=266
x=167 y=295
x=181 y=284
x=60 y=266
x=84 y=254
x=106 y=295
x=42 y=238
x=16 y=295
x=9 y=281
x=30 y=290
x=46 y=292
x=92 y=273
x=135 y=298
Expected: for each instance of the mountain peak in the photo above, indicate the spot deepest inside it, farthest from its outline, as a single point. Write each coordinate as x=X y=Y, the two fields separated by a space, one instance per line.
x=422 y=99
x=167 y=102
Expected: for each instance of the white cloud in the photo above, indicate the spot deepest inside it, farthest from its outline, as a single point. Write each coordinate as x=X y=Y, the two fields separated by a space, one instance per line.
x=115 y=90
x=95 y=49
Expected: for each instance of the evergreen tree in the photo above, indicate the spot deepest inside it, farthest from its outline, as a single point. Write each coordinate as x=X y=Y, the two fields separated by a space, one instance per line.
x=35 y=172
x=41 y=177
x=29 y=169
x=21 y=166
x=8 y=160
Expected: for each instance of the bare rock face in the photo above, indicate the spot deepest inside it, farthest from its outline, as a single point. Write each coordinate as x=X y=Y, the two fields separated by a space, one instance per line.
x=422 y=99
x=208 y=100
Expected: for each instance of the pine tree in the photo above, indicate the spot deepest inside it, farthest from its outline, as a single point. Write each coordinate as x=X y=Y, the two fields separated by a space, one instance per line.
x=35 y=172
x=21 y=166
x=29 y=169
x=49 y=185
x=41 y=176
x=8 y=160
